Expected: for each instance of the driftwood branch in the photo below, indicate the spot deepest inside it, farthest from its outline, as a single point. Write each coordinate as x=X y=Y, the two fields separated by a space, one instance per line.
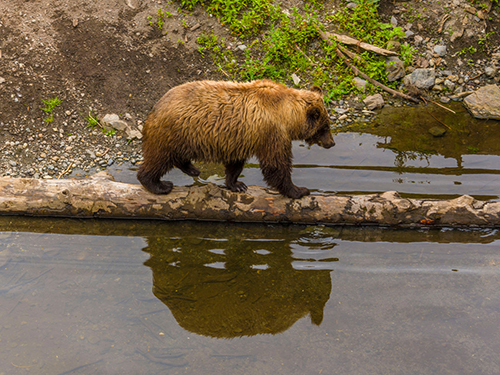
x=341 y=52
x=354 y=42
x=100 y=196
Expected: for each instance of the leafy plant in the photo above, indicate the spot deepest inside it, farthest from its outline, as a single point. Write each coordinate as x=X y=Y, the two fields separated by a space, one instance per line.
x=92 y=121
x=50 y=105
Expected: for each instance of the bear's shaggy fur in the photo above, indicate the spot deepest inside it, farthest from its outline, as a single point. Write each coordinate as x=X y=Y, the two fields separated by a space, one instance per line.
x=230 y=122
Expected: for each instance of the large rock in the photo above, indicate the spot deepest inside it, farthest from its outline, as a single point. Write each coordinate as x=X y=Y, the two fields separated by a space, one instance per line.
x=422 y=78
x=112 y=120
x=484 y=103
x=395 y=68
x=374 y=102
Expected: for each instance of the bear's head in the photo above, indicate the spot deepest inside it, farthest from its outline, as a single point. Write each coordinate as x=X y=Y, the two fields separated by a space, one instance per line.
x=317 y=121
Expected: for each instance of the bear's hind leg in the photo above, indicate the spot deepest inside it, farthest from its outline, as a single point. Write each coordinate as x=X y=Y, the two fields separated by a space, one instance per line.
x=149 y=177
x=188 y=168
x=233 y=171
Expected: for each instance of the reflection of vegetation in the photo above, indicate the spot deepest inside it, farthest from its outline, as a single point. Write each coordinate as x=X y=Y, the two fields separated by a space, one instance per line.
x=240 y=284
x=407 y=133
x=403 y=157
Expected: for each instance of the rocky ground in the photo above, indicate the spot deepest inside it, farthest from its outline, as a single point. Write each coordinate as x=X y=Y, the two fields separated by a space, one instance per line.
x=104 y=57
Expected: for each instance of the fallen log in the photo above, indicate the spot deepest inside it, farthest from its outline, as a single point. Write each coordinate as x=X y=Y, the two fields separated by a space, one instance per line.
x=100 y=196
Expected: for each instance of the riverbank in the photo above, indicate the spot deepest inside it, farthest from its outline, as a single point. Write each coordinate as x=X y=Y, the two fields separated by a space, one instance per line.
x=106 y=58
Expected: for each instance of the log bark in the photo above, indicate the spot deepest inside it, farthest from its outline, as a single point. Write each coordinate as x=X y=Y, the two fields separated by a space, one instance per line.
x=100 y=196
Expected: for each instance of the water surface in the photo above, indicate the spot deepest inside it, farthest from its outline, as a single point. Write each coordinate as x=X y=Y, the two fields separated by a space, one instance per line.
x=126 y=297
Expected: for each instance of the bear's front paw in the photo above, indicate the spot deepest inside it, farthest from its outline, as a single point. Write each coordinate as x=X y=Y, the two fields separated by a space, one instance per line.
x=238 y=187
x=297 y=192
x=162 y=187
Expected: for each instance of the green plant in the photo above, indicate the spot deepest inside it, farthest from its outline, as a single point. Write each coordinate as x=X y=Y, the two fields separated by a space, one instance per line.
x=160 y=18
x=109 y=132
x=92 y=121
x=50 y=105
x=406 y=54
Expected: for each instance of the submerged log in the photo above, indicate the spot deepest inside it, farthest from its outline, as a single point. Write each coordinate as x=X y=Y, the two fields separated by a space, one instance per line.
x=100 y=196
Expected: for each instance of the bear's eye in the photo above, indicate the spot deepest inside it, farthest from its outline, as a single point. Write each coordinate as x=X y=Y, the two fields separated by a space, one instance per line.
x=313 y=115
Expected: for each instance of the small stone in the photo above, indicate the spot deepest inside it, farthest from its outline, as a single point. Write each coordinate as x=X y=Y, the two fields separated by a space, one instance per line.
x=449 y=85
x=134 y=4
x=2 y=80
x=395 y=68
x=393 y=45
x=444 y=99
x=440 y=50
x=421 y=78
x=296 y=79
x=241 y=47
x=374 y=102
x=394 y=21
x=360 y=83
x=409 y=33
x=490 y=72
x=437 y=131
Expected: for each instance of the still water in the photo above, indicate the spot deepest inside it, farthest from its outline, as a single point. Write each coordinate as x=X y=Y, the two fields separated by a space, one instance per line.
x=107 y=297
x=128 y=297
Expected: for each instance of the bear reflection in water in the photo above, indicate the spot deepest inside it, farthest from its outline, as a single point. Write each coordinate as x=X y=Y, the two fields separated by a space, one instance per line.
x=239 y=287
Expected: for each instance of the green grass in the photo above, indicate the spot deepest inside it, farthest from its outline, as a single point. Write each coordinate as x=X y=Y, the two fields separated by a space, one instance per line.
x=50 y=105
x=280 y=44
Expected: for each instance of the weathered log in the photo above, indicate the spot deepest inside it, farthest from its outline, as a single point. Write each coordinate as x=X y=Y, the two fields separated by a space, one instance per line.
x=100 y=196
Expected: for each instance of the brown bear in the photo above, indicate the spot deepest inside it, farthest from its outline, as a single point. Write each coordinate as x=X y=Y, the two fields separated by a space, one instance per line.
x=229 y=122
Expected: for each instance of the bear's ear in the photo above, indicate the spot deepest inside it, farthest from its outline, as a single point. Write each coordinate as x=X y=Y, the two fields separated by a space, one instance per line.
x=316 y=89
x=313 y=114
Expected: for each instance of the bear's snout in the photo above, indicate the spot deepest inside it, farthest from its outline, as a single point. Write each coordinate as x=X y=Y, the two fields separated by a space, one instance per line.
x=329 y=144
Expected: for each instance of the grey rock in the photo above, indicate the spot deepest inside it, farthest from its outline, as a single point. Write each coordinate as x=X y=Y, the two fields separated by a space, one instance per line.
x=352 y=5
x=484 y=103
x=440 y=50
x=113 y=121
x=437 y=131
x=409 y=33
x=134 y=4
x=296 y=79
x=490 y=72
x=393 y=45
x=394 y=21
x=449 y=85
x=421 y=78
x=395 y=68
x=241 y=47
x=418 y=40
x=359 y=83
x=374 y=102
x=445 y=99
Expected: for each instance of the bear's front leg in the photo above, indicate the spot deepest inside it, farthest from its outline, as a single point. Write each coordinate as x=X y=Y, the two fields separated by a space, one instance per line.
x=233 y=171
x=280 y=178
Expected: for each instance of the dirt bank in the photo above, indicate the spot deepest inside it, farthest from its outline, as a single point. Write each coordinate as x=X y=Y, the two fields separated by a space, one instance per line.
x=104 y=57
